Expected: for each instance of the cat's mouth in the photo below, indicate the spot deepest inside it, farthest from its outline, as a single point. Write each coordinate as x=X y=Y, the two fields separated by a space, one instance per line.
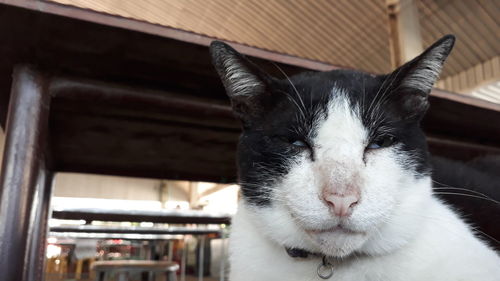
x=339 y=229
x=337 y=241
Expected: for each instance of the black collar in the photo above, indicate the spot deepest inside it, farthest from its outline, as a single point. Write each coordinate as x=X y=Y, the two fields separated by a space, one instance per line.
x=299 y=253
x=325 y=267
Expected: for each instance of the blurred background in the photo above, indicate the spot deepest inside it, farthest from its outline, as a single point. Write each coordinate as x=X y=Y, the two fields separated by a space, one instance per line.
x=184 y=216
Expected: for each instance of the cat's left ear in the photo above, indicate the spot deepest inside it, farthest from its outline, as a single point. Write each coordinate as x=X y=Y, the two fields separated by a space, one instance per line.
x=246 y=85
x=411 y=83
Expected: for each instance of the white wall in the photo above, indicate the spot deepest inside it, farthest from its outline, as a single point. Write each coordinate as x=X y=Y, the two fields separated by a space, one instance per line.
x=107 y=187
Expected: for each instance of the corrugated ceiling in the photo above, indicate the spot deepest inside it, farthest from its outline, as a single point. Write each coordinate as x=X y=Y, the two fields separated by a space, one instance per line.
x=345 y=33
x=476 y=23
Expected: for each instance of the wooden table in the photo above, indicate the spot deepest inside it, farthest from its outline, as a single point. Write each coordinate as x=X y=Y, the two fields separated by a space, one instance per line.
x=152 y=234
x=126 y=267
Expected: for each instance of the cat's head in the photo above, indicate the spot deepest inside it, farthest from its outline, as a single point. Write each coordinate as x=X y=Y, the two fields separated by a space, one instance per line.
x=333 y=162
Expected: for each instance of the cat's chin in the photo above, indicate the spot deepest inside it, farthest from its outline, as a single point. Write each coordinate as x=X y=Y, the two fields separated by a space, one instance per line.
x=337 y=241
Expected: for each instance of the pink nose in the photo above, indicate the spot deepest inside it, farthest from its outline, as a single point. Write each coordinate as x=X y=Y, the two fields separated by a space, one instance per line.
x=341 y=205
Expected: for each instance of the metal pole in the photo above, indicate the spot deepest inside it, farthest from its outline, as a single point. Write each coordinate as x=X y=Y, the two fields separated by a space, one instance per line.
x=170 y=250
x=184 y=259
x=201 y=258
x=222 y=256
x=24 y=173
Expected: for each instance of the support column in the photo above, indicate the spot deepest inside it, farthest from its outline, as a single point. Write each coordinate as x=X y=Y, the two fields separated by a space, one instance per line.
x=25 y=181
x=405 y=39
x=38 y=227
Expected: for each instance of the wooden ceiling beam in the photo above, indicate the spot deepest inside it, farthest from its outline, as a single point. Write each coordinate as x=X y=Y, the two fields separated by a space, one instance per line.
x=213 y=189
x=194 y=195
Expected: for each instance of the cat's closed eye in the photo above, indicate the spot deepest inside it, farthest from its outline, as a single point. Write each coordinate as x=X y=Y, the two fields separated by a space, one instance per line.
x=300 y=143
x=295 y=142
x=381 y=142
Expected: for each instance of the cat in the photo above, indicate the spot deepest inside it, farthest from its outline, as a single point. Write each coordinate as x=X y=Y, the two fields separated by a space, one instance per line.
x=335 y=177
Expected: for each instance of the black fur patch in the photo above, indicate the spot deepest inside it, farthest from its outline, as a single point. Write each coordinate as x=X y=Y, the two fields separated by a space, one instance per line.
x=464 y=185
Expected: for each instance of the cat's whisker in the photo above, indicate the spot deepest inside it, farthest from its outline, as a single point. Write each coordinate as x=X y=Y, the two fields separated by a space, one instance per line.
x=378 y=102
x=293 y=86
x=468 y=195
x=291 y=99
x=463 y=189
x=472 y=190
x=363 y=98
x=475 y=229
x=376 y=94
x=487 y=235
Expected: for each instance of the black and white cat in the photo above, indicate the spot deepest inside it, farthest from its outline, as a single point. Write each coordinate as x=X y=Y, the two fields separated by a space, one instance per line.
x=335 y=178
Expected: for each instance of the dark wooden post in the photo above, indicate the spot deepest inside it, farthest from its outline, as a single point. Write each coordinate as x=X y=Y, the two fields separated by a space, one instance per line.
x=25 y=181
x=38 y=227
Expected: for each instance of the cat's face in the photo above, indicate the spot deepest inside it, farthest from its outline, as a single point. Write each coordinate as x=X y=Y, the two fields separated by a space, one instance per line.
x=331 y=162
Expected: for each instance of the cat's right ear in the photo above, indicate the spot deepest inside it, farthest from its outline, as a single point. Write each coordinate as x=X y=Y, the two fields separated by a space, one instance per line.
x=245 y=83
